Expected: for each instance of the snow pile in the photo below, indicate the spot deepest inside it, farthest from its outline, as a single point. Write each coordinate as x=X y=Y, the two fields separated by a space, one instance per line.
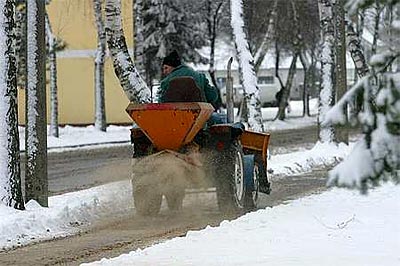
x=323 y=154
x=66 y=213
x=338 y=227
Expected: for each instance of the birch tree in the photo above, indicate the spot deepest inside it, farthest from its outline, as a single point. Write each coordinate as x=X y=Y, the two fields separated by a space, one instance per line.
x=100 y=122
x=36 y=184
x=213 y=18
x=52 y=47
x=356 y=50
x=268 y=38
x=341 y=133
x=10 y=174
x=20 y=42
x=139 y=56
x=249 y=78
x=296 y=47
x=326 y=99
x=131 y=82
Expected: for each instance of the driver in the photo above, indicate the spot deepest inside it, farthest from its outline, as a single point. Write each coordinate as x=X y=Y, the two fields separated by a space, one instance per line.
x=172 y=67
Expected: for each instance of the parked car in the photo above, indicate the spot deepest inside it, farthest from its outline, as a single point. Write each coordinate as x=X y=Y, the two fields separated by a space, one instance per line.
x=267 y=95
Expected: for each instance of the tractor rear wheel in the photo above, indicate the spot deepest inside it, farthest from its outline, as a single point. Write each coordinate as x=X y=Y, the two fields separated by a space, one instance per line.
x=147 y=200
x=252 y=194
x=230 y=179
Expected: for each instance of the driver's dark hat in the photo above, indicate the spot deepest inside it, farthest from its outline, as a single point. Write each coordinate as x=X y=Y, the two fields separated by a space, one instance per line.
x=172 y=59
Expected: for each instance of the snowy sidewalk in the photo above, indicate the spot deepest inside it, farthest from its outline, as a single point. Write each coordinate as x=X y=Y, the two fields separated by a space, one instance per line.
x=338 y=227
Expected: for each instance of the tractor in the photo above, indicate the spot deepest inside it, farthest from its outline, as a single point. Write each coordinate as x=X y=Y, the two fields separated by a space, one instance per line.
x=184 y=144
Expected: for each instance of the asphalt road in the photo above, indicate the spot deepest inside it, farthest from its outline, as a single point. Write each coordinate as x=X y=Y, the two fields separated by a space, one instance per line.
x=79 y=169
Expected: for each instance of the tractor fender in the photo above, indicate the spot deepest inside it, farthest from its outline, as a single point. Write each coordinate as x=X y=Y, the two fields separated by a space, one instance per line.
x=248 y=165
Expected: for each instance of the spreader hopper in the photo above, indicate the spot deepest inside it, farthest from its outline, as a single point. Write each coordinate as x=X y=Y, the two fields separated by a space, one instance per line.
x=170 y=125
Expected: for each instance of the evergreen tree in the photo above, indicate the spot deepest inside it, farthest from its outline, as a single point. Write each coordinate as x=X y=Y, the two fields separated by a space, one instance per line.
x=10 y=175
x=376 y=157
x=171 y=25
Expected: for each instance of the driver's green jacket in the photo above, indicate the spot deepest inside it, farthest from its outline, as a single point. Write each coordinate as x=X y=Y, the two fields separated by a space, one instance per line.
x=201 y=81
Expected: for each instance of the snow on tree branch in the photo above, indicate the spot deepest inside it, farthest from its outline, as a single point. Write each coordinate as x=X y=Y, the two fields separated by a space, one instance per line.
x=131 y=81
x=246 y=62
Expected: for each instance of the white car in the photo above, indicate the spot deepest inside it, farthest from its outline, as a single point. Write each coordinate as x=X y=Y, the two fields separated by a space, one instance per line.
x=267 y=94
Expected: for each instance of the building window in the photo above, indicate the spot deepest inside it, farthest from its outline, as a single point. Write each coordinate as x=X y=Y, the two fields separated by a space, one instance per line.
x=221 y=82
x=266 y=80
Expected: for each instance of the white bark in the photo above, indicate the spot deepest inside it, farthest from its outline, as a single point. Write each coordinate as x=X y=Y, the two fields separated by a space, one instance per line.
x=327 y=66
x=100 y=106
x=139 y=57
x=10 y=175
x=51 y=40
x=268 y=38
x=132 y=83
x=356 y=50
x=247 y=71
x=36 y=186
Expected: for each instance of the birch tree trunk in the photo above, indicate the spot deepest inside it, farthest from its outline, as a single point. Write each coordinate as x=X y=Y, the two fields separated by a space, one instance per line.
x=341 y=132
x=131 y=82
x=306 y=89
x=377 y=17
x=326 y=133
x=264 y=47
x=51 y=40
x=36 y=184
x=10 y=174
x=213 y=17
x=100 y=121
x=285 y=93
x=139 y=57
x=356 y=51
x=246 y=61
x=20 y=44
x=212 y=24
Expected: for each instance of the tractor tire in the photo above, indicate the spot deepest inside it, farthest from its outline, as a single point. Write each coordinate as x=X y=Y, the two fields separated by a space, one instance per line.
x=230 y=186
x=252 y=194
x=147 y=200
x=175 y=199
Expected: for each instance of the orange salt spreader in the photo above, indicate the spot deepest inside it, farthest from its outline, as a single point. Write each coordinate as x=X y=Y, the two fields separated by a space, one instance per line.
x=169 y=126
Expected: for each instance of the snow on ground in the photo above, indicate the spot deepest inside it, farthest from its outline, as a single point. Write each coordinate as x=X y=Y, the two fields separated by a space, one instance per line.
x=77 y=137
x=66 y=215
x=338 y=227
x=70 y=212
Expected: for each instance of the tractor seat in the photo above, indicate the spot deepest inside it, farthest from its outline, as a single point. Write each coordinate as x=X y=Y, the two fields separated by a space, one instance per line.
x=184 y=89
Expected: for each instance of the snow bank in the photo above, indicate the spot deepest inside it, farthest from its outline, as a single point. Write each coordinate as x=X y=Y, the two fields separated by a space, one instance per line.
x=322 y=154
x=65 y=215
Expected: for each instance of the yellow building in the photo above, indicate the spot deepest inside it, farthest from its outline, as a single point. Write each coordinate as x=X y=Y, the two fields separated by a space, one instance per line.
x=73 y=21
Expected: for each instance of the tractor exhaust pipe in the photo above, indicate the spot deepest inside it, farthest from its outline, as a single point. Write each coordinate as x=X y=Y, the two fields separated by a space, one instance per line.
x=229 y=93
